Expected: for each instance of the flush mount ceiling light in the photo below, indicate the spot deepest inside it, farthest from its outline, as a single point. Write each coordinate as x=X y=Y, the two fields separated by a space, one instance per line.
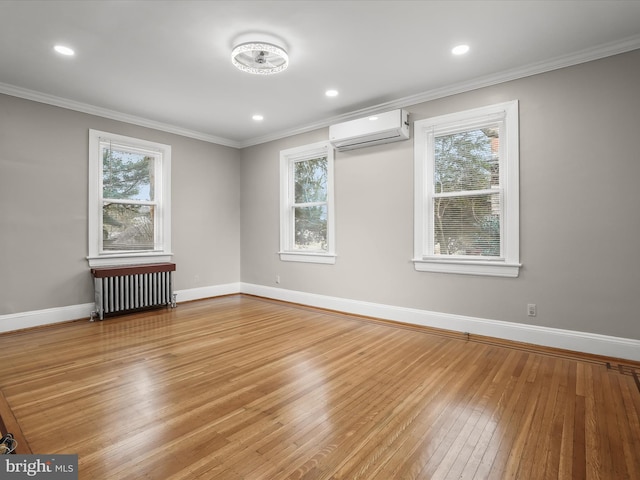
x=260 y=58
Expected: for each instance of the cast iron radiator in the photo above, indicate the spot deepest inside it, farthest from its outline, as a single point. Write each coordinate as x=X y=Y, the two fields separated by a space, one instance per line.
x=129 y=288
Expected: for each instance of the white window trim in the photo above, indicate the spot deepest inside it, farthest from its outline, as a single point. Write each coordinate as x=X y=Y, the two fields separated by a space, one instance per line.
x=162 y=252
x=508 y=265
x=287 y=158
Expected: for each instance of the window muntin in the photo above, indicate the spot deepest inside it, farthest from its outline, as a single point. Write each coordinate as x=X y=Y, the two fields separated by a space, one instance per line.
x=306 y=219
x=466 y=184
x=129 y=200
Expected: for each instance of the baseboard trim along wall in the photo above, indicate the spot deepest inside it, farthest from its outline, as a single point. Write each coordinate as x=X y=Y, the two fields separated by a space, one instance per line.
x=207 y=292
x=47 y=316
x=596 y=344
x=37 y=318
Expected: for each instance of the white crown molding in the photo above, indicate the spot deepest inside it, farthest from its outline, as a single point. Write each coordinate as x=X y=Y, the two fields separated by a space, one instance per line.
x=606 y=50
x=587 y=55
x=35 y=96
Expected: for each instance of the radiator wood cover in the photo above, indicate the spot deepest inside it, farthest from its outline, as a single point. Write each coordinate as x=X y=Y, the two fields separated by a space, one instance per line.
x=121 y=289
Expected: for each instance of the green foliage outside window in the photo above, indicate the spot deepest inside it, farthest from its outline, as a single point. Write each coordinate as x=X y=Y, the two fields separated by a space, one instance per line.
x=310 y=210
x=467 y=223
x=127 y=176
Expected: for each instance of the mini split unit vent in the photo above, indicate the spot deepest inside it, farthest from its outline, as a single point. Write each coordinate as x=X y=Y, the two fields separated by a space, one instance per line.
x=373 y=130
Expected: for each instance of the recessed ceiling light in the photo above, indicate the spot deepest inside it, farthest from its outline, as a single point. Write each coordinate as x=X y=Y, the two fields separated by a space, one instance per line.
x=62 y=50
x=331 y=93
x=258 y=117
x=373 y=117
x=460 y=49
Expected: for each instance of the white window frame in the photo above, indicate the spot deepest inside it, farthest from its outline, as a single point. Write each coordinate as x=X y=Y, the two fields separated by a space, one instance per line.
x=162 y=193
x=288 y=158
x=425 y=259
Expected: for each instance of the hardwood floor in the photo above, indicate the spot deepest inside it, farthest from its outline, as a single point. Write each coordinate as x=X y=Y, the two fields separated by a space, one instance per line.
x=245 y=388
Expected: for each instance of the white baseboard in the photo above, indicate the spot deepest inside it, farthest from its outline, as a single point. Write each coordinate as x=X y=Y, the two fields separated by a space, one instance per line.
x=596 y=344
x=615 y=347
x=37 y=318
x=207 y=292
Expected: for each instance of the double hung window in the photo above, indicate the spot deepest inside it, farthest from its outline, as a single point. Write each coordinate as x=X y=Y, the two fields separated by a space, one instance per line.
x=306 y=204
x=466 y=184
x=129 y=200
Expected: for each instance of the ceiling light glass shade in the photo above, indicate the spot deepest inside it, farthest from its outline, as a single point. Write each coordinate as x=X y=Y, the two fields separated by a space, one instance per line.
x=260 y=58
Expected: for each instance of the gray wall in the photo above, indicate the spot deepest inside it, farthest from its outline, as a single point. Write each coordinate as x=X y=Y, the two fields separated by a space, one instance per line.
x=579 y=210
x=580 y=220
x=43 y=206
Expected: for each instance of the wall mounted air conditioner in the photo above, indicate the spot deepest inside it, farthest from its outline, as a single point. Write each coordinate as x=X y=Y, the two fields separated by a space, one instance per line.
x=372 y=130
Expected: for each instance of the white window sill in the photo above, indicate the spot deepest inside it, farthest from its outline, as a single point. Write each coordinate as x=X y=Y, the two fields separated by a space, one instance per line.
x=468 y=267
x=308 y=257
x=117 y=259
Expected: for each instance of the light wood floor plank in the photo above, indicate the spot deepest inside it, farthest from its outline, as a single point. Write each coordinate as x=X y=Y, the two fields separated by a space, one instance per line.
x=239 y=388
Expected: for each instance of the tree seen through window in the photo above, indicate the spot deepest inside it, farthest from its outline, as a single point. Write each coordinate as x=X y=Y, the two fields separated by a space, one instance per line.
x=310 y=204
x=466 y=199
x=128 y=210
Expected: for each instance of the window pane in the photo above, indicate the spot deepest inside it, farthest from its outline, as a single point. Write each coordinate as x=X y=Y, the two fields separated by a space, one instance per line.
x=310 y=180
x=468 y=225
x=467 y=160
x=127 y=227
x=311 y=228
x=127 y=175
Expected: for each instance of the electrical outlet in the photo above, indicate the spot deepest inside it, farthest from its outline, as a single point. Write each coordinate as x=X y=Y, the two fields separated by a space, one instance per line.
x=277 y=278
x=532 y=310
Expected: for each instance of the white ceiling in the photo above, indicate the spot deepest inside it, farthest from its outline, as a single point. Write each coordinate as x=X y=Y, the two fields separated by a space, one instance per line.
x=166 y=64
